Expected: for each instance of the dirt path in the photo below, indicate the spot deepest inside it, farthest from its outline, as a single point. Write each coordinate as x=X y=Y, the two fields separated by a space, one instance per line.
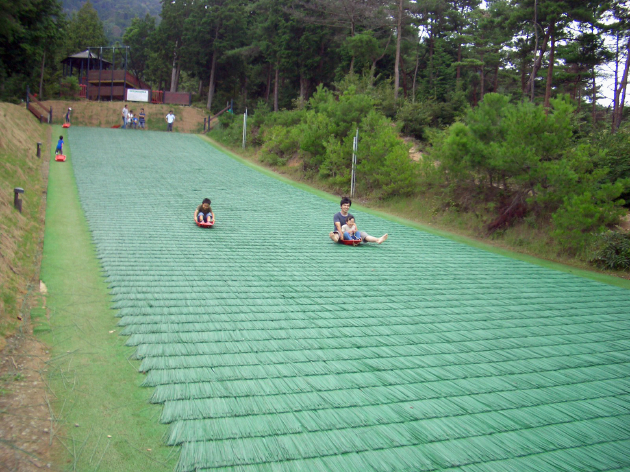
x=25 y=422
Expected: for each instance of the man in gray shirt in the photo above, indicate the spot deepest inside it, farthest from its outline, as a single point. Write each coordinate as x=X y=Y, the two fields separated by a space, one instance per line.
x=340 y=219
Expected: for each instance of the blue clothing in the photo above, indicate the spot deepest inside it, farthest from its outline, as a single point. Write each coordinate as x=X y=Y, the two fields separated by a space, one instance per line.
x=356 y=236
x=204 y=218
x=59 y=145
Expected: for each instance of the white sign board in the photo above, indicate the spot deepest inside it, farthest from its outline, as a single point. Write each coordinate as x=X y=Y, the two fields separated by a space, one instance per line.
x=135 y=95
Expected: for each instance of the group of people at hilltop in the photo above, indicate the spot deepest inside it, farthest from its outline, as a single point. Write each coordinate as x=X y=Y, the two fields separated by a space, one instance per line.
x=131 y=120
x=134 y=122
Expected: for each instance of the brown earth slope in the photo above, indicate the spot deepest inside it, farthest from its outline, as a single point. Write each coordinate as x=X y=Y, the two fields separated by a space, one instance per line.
x=24 y=414
x=108 y=114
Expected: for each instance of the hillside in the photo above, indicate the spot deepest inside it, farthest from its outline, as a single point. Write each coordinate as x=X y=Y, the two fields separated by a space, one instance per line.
x=107 y=114
x=116 y=15
x=21 y=234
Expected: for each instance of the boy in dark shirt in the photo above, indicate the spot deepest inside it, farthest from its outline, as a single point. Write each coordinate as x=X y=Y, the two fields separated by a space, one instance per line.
x=203 y=213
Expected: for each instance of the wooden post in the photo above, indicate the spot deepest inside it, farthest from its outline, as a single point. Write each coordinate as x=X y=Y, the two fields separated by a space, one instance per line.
x=17 y=203
x=39 y=150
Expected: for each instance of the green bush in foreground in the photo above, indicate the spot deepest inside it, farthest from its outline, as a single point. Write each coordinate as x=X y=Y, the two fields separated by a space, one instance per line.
x=612 y=251
x=520 y=159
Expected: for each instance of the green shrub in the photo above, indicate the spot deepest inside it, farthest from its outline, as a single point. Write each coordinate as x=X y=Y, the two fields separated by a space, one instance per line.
x=280 y=144
x=230 y=129
x=70 y=87
x=612 y=251
x=582 y=217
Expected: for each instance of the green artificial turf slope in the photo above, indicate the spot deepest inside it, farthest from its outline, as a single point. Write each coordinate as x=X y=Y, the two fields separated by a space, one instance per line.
x=93 y=386
x=271 y=348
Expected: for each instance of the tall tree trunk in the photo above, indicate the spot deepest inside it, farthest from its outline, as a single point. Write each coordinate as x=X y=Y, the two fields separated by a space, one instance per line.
x=398 y=38
x=213 y=67
x=174 y=77
x=275 y=87
x=244 y=92
x=303 y=87
x=200 y=88
x=211 y=85
x=615 y=101
x=550 y=68
x=373 y=68
x=320 y=66
x=594 y=97
x=404 y=76
x=495 y=86
x=415 y=72
x=621 y=91
x=41 y=78
x=537 y=65
x=268 y=91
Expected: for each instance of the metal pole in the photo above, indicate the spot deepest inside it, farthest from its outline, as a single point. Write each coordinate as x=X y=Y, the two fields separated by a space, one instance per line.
x=100 y=71
x=111 y=92
x=87 y=77
x=204 y=123
x=125 y=78
x=244 y=127
x=353 y=177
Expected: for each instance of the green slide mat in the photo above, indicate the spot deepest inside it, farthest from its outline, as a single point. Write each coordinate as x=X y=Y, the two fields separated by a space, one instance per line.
x=272 y=348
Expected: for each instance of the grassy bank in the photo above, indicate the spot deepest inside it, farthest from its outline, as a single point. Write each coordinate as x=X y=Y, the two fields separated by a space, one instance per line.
x=21 y=234
x=101 y=419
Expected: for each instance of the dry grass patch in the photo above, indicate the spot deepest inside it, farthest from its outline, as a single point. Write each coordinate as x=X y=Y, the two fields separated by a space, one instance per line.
x=20 y=233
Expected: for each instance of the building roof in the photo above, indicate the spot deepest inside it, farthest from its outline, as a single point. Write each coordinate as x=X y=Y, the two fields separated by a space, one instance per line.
x=85 y=57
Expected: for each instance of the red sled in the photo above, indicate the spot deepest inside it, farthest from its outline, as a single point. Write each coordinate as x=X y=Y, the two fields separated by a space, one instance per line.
x=60 y=158
x=65 y=125
x=205 y=225
x=351 y=242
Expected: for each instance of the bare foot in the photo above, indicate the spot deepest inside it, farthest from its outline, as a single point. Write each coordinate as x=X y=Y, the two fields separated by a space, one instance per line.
x=334 y=236
x=382 y=239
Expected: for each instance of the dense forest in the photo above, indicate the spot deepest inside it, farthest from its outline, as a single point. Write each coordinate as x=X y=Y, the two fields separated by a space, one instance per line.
x=517 y=106
x=116 y=15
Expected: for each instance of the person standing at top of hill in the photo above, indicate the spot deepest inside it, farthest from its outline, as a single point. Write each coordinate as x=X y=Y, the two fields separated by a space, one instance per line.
x=170 y=118
x=141 y=117
x=68 y=115
x=125 y=112
x=341 y=218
